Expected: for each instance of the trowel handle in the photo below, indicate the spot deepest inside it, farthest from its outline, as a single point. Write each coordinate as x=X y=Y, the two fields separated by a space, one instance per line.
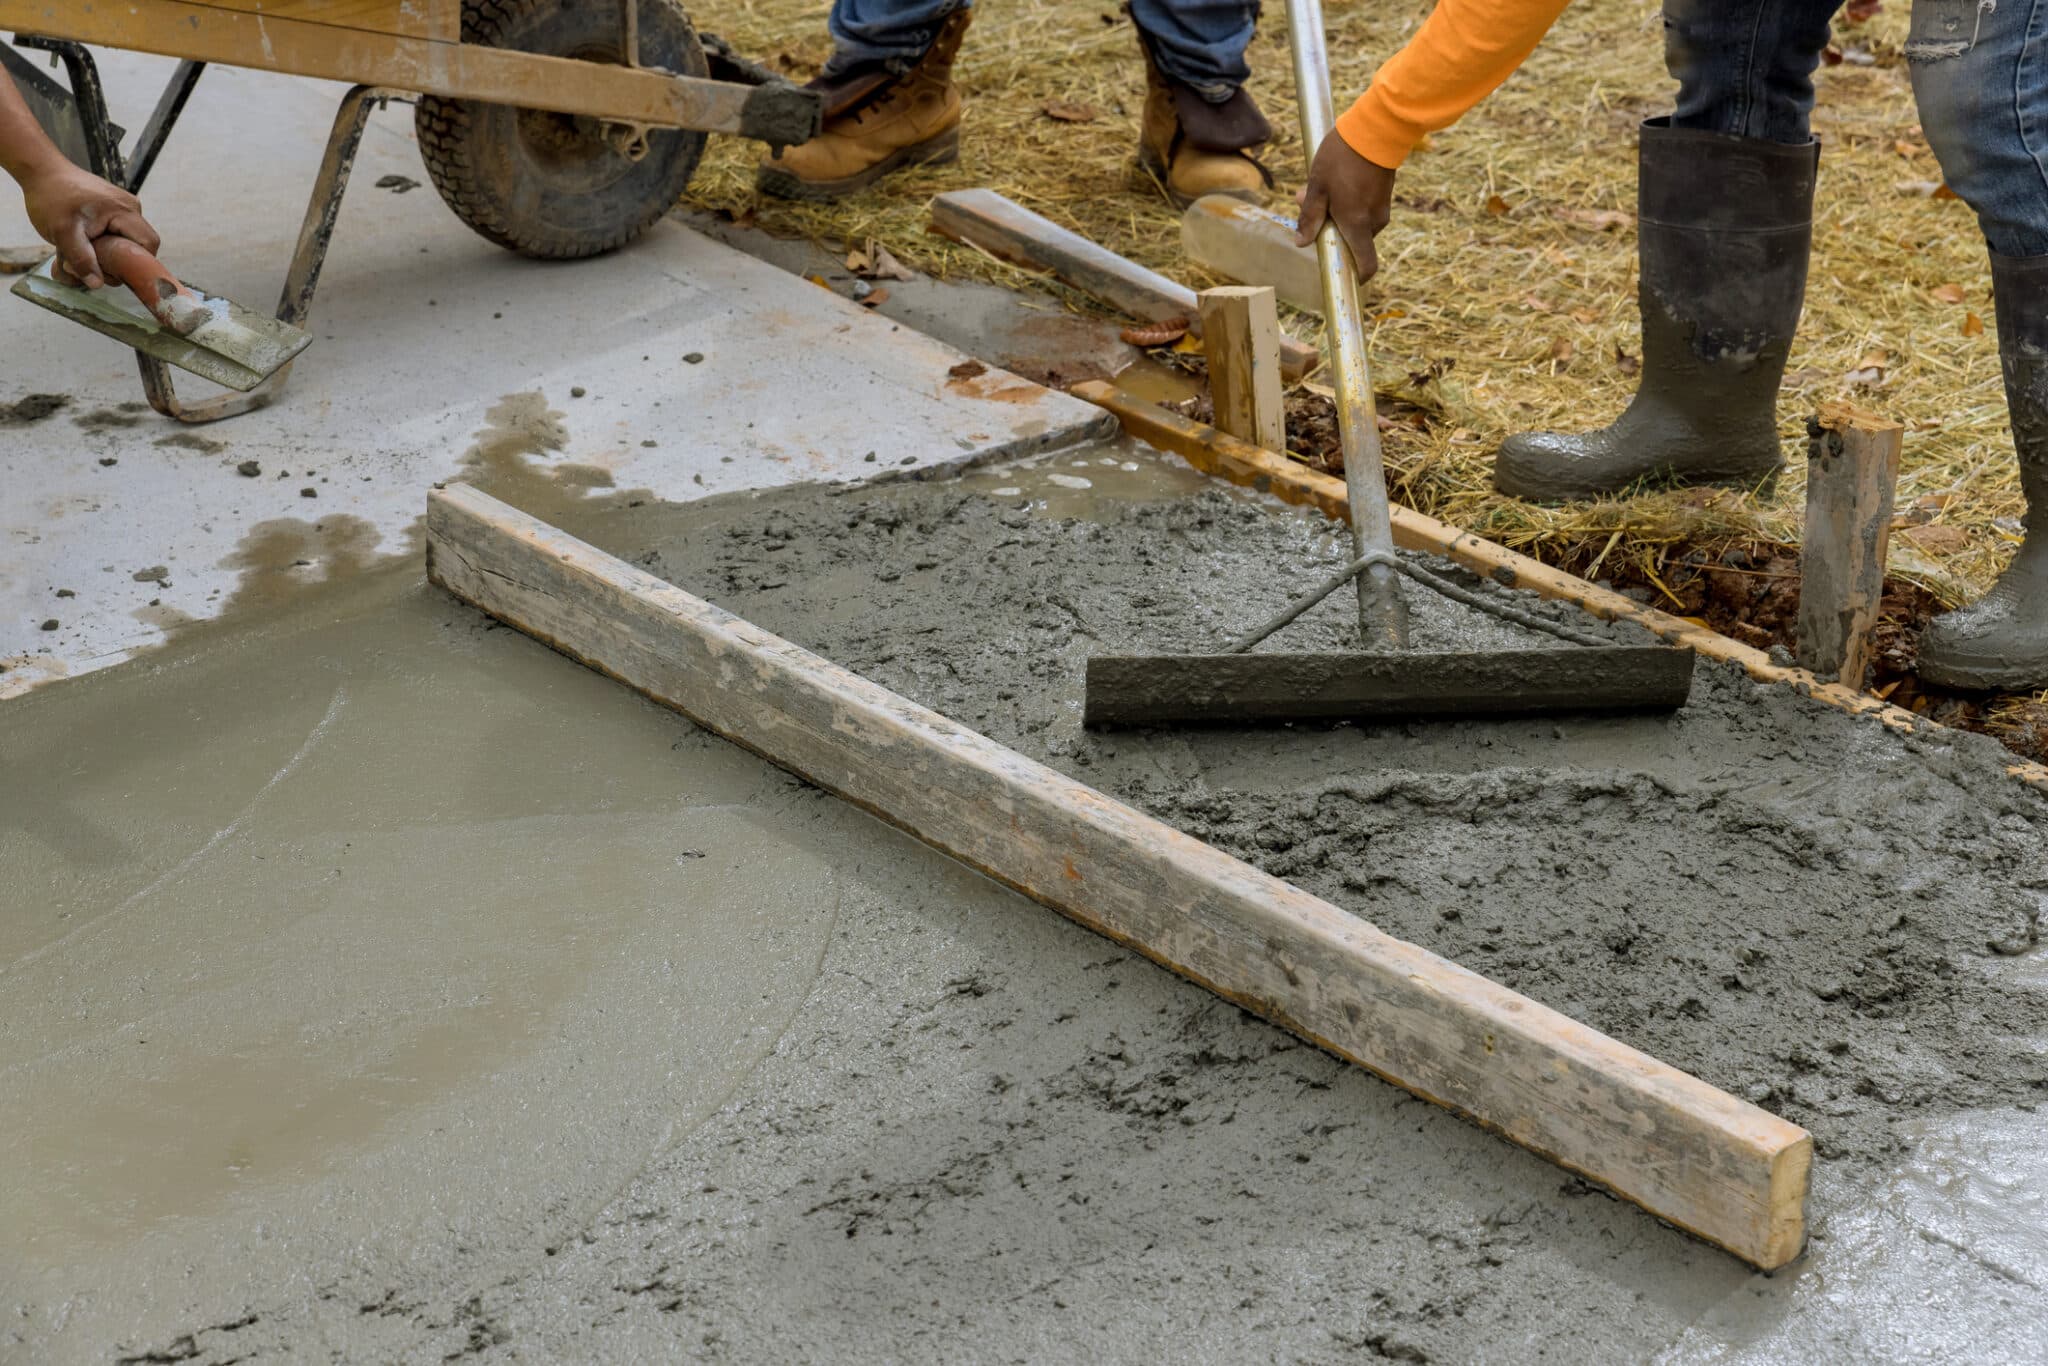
x=146 y=278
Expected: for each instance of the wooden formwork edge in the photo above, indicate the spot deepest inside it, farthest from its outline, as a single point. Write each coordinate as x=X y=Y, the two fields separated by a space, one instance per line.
x=1707 y=1161
x=1218 y=453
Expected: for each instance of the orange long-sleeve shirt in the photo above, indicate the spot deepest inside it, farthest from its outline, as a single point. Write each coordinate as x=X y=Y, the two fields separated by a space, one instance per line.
x=1462 y=52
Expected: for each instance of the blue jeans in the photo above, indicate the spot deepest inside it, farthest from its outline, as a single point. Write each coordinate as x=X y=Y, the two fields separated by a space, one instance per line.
x=1746 y=67
x=1199 y=43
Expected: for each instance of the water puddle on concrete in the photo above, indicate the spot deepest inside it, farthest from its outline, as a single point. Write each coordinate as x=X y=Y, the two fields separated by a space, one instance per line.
x=1088 y=484
x=374 y=922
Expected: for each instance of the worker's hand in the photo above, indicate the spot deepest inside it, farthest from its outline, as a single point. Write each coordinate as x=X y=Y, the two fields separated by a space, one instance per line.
x=1355 y=194
x=70 y=207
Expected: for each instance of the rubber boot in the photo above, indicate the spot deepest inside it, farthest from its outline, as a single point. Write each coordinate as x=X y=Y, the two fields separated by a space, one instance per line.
x=2001 y=641
x=876 y=122
x=1723 y=229
x=1191 y=147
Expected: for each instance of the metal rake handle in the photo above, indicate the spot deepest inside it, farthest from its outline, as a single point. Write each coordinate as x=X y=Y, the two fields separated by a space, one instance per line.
x=1382 y=615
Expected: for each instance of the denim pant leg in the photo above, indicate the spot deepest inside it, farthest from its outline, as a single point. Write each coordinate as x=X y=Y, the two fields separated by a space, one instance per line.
x=1746 y=66
x=1983 y=100
x=891 y=33
x=1199 y=43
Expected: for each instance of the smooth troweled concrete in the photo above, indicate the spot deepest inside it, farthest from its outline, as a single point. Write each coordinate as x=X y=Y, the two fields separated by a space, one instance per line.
x=678 y=366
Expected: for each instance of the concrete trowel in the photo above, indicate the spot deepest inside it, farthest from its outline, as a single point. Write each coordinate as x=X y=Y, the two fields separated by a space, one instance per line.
x=160 y=316
x=1386 y=680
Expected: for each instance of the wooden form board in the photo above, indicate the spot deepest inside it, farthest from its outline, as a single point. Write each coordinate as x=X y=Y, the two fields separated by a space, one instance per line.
x=326 y=50
x=1705 y=1160
x=1240 y=462
x=1010 y=232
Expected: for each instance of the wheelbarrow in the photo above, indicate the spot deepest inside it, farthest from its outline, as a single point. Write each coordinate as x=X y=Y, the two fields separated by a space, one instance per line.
x=553 y=128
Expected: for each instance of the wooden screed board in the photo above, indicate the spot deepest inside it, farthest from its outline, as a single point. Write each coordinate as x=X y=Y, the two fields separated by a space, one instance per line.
x=1703 y=1159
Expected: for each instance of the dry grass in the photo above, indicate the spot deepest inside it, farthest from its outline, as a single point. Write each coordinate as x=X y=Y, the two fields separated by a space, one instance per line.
x=1486 y=269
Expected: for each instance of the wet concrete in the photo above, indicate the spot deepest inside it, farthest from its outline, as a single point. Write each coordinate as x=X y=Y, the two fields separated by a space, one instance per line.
x=456 y=1047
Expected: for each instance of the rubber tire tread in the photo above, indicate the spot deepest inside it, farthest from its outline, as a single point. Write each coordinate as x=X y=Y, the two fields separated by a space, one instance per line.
x=445 y=130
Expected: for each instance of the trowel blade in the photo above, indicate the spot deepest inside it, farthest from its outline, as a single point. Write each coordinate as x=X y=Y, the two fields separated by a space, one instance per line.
x=236 y=348
x=1252 y=689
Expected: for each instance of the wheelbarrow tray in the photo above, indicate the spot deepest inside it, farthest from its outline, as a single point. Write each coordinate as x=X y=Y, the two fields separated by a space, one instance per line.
x=416 y=46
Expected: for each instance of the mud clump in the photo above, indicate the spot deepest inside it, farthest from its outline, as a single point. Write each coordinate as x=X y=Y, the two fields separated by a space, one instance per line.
x=31 y=408
x=1793 y=904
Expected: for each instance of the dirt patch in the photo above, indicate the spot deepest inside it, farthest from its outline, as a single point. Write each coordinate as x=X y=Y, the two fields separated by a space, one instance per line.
x=31 y=408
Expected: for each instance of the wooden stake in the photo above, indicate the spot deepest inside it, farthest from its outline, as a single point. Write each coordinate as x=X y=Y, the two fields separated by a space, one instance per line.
x=1852 y=466
x=1705 y=1160
x=1241 y=339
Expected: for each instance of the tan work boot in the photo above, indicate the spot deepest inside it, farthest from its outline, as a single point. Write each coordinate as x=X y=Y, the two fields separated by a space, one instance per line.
x=1192 y=147
x=876 y=123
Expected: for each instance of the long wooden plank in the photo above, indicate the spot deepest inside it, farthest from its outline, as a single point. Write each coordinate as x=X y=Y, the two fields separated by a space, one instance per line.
x=1707 y=1161
x=1240 y=462
x=232 y=37
x=1005 y=229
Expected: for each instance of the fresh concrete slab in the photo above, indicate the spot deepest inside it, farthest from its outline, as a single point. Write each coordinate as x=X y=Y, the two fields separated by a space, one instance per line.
x=677 y=366
x=388 y=987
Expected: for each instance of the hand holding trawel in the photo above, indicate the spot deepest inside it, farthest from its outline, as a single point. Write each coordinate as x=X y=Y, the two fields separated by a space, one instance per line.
x=70 y=208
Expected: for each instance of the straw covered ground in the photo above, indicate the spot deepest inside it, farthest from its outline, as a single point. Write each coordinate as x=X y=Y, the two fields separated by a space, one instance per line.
x=1506 y=299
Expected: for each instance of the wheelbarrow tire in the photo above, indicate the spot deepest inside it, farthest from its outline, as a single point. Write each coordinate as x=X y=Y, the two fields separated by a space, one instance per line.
x=552 y=185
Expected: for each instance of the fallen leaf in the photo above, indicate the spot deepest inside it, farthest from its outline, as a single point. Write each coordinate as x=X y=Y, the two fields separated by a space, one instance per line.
x=1599 y=220
x=1536 y=305
x=1862 y=11
x=1190 y=345
x=1162 y=333
x=1942 y=191
x=1932 y=502
x=1870 y=367
x=967 y=369
x=1831 y=55
x=1973 y=326
x=1070 y=111
x=818 y=280
x=1588 y=316
x=1946 y=294
x=1496 y=206
x=874 y=297
x=1936 y=539
x=874 y=261
x=1905 y=148
x=1629 y=364
x=1560 y=354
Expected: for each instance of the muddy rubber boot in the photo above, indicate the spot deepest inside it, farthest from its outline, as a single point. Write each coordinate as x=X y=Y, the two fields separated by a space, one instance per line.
x=876 y=122
x=1190 y=147
x=1723 y=230
x=2001 y=641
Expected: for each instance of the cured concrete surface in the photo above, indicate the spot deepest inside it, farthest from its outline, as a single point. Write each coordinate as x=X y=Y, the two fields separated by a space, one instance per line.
x=386 y=987
x=423 y=330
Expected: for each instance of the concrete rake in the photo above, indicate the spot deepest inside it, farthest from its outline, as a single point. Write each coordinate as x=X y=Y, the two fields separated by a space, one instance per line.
x=1386 y=680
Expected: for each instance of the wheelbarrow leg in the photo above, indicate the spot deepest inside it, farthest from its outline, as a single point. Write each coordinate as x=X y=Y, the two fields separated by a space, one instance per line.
x=295 y=300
